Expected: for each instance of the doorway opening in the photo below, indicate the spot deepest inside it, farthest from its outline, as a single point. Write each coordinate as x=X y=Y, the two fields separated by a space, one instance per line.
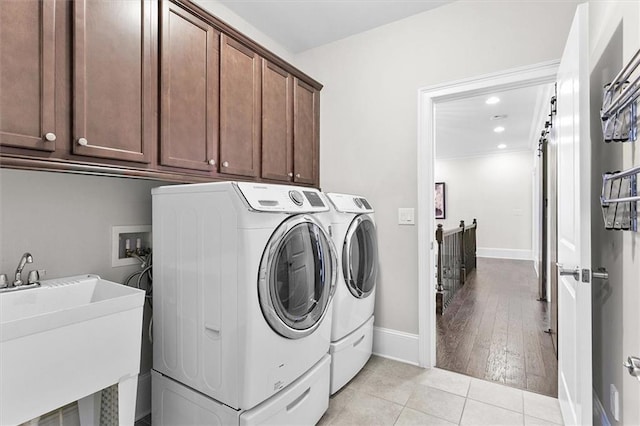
x=493 y=176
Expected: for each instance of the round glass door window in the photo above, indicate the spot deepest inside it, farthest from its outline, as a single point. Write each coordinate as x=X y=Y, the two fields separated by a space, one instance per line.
x=297 y=277
x=360 y=257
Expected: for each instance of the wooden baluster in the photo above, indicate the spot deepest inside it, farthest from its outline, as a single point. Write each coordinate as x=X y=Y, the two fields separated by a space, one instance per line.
x=439 y=240
x=474 y=243
x=462 y=263
x=440 y=293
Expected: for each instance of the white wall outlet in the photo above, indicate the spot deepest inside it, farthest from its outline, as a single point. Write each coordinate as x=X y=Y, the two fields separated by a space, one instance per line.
x=119 y=237
x=614 y=402
x=406 y=216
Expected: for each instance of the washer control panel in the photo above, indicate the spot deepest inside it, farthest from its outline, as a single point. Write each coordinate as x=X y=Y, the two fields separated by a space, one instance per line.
x=346 y=203
x=281 y=198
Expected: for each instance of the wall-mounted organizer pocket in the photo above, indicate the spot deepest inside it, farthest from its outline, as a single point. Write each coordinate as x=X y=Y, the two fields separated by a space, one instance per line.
x=619 y=200
x=620 y=99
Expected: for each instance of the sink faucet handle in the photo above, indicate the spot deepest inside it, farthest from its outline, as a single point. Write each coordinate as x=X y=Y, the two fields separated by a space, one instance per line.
x=4 y=281
x=26 y=258
x=35 y=275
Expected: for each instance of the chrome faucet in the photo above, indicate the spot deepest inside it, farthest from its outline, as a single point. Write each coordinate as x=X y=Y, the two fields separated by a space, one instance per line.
x=26 y=258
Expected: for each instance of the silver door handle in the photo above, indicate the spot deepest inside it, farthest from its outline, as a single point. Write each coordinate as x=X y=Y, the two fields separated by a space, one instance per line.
x=575 y=273
x=633 y=365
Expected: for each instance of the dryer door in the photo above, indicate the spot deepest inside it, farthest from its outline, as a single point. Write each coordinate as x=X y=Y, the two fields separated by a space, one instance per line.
x=297 y=277
x=360 y=257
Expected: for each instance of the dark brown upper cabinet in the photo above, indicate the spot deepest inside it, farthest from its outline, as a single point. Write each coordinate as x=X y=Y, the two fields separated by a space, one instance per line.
x=240 y=120
x=83 y=84
x=277 y=121
x=113 y=87
x=28 y=74
x=189 y=87
x=306 y=133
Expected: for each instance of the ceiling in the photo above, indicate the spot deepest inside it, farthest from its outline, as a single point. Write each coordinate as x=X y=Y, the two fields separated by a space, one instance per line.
x=465 y=127
x=298 y=25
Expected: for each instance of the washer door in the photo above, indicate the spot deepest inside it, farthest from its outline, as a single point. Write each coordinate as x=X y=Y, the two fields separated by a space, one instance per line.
x=297 y=277
x=360 y=257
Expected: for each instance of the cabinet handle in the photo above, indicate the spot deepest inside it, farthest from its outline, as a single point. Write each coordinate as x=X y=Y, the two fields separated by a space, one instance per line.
x=290 y=174
x=212 y=162
x=50 y=137
x=298 y=175
x=225 y=164
x=83 y=142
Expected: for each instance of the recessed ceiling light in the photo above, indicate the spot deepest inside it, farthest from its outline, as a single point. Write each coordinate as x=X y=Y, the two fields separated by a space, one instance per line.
x=499 y=129
x=492 y=100
x=502 y=146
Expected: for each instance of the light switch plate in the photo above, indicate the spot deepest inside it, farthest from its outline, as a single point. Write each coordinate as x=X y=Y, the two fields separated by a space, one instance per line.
x=406 y=216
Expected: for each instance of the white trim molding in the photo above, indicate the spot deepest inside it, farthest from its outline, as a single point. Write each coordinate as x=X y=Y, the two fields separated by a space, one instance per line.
x=502 y=253
x=396 y=345
x=428 y=97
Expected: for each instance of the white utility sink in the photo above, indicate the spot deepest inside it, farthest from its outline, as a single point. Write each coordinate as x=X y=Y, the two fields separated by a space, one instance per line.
x=65 y=341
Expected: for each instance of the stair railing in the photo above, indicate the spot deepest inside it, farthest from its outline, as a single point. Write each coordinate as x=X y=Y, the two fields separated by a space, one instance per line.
x=455 y=260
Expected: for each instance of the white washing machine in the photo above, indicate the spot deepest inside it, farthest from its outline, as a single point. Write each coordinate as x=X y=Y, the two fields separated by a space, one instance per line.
x=244 y=274
x=354 y=234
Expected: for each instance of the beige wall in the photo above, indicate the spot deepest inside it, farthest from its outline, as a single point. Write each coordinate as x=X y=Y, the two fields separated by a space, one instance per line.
x=65 y=221
x=495 y=189
x=614 y=39
x=368 y=127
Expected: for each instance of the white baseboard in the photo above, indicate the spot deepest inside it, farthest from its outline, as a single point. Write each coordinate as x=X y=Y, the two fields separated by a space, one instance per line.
x=516 y=254
x=396 y=345
x=143 y=397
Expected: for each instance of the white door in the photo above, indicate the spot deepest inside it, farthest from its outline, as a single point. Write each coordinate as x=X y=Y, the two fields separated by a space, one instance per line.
x=574 y=238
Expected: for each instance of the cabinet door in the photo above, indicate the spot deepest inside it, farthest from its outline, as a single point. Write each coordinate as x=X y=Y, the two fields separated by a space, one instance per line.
x=277 y=135
x=306 y=132
x=27 y=74
x=112 y=84
x=239 y=109
x=189 y=90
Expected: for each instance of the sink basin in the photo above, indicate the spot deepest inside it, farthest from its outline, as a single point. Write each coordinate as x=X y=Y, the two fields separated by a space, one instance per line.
x=66 y=340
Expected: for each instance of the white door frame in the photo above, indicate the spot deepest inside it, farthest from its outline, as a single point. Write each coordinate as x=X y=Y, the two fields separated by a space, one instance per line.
x=428 y=97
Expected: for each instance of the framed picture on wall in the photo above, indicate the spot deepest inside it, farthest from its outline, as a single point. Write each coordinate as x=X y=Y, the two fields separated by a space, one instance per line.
x=440 y=201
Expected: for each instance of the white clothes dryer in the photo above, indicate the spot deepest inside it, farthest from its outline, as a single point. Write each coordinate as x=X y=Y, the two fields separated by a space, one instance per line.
x=354 y=234
x=244 y=275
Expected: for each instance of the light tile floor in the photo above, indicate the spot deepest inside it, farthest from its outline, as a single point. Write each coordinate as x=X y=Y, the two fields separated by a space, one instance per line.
x=388 y=392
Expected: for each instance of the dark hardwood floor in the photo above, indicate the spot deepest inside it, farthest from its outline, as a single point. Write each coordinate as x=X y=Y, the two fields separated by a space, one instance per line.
x=493 y=329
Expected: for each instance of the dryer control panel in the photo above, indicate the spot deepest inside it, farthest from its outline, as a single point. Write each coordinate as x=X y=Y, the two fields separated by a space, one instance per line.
x=282 y=198
x=346 y=203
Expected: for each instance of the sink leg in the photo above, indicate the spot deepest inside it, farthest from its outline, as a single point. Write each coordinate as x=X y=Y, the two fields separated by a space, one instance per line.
x=89 y=409
x=127 y=390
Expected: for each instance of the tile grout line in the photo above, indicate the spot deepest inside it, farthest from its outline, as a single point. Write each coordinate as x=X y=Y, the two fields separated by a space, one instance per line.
x=523 y=409
x=464 y=407
x=497 y=406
